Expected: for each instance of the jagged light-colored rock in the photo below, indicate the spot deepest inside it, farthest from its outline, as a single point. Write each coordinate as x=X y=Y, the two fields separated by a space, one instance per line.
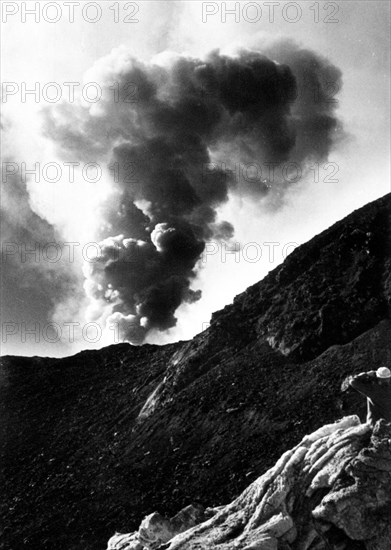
x=287 y=506
x=368 y=477
x=156 y=529
x=127 y=541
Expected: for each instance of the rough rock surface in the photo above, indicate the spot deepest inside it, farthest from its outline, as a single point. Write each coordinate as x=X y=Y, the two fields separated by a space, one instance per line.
x=332 y=490
x=156 y=530
x=92 y=443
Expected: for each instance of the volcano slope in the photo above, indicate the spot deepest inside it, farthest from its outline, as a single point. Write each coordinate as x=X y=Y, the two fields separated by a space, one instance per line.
x=92 y=443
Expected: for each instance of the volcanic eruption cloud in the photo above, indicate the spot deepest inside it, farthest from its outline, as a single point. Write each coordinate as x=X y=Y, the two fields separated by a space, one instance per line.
x=171 y=132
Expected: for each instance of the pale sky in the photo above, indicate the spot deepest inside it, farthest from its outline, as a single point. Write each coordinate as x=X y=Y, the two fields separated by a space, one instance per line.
x=354 y=36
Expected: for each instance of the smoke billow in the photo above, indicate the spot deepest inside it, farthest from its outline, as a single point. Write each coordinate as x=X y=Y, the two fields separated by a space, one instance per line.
x=35 y=279
x=171 y=132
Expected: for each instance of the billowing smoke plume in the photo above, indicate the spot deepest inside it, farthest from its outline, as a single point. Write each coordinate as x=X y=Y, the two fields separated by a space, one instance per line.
x=33 y=275
x=172 y=132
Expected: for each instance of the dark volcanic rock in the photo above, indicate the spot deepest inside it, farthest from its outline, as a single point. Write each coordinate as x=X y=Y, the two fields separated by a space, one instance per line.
x=94 y=442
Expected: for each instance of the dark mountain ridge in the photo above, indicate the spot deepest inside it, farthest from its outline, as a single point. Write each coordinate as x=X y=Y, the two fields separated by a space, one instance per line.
x=93 y=442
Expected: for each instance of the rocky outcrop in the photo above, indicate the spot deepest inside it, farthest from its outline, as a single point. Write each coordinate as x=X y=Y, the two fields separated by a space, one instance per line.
x=155 y=529
x=332 y=490
x=360 y=502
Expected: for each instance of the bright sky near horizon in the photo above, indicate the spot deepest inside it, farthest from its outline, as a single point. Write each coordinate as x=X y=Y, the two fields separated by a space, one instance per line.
x=353 y=36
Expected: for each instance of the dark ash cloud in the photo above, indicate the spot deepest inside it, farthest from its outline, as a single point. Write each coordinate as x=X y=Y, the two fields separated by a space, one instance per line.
x=165 y=139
